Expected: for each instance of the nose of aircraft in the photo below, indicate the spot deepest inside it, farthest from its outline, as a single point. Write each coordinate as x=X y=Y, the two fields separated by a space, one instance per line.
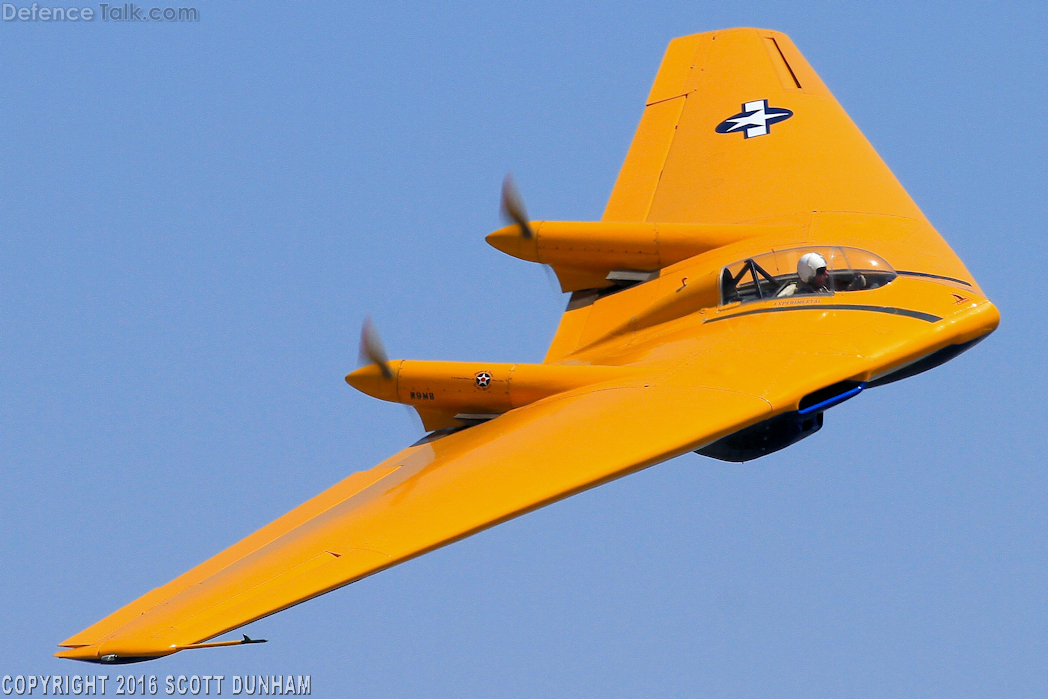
x=972 y=319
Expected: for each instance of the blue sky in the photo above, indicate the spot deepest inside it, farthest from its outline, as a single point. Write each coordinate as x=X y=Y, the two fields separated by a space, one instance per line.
x=197 y=217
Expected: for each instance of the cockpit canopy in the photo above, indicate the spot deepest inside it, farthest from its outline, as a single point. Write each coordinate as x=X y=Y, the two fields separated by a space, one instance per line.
x=775 y=274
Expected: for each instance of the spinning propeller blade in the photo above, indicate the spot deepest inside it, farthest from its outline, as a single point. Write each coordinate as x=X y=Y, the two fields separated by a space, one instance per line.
x=512 y=207
x=371 y=349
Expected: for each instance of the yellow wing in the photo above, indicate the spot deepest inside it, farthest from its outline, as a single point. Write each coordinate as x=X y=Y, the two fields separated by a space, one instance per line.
x=707 y=380
x=766 y=169
x=426 y=496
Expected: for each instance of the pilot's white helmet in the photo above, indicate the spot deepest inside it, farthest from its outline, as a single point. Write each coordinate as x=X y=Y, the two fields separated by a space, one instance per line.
x=808 y=265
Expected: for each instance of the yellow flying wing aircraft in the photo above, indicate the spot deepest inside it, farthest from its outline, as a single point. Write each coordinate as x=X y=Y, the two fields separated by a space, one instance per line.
x=757 y=264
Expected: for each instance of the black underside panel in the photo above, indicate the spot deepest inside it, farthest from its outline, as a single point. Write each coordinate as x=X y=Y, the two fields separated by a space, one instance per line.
x=764 y=438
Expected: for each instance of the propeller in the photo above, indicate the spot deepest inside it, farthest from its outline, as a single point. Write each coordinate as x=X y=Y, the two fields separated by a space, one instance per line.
x=371 y=349
x=373 y=352
x=512 y=207
x=513 y=211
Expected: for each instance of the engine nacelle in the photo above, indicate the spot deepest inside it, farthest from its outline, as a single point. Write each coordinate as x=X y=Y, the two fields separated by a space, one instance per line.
x=584 y=253
x=452 y=394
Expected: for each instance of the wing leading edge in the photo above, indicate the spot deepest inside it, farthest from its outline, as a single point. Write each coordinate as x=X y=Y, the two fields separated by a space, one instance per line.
x=420 y=499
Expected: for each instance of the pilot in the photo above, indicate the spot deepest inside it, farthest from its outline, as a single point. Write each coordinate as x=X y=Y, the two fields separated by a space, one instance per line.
x=812 y=277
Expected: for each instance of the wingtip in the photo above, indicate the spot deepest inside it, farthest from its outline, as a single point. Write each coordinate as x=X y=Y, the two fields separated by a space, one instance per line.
x=77 y=653
x=94 y=654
